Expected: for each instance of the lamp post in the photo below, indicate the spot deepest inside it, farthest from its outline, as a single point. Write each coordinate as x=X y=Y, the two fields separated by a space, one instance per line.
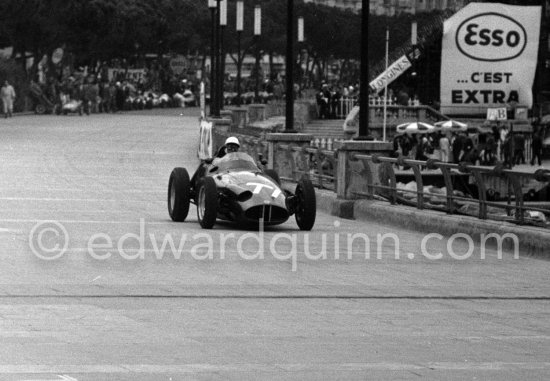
x=221 y=74
x=239 y=28
x=300 y=43
x=386 y=82
x=257 y=33
x=217 y=59
x=289 y=117
x=364 y=82
x=212 y=5
x=414 y=43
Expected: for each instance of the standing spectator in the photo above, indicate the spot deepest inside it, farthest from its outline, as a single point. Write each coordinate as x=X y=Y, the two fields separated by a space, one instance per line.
x=7 y=93
x=519 y=149
x=421 y=148
x=335 y=103
x=508 y=151
x=490 y=149
x=503 y=135
x=471 y=157
x=397 y=147
x=536 y=144
x=89 y=95
x=323 y=101
x=278 y=91
x=120 y=97
x=468 y=143
x=457 y=146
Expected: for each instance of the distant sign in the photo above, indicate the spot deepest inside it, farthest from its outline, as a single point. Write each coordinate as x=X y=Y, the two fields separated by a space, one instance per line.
x=179 y=64
x=521 y=113
x=497 y=113
x=489 y=57
x=390 y=74
x=126 y=74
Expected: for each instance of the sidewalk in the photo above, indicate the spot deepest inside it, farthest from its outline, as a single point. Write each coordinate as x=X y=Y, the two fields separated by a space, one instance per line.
x=534 y=241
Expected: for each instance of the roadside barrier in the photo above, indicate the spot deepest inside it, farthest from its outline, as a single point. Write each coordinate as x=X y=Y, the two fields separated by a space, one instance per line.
x=494 y=193
x=489 y=193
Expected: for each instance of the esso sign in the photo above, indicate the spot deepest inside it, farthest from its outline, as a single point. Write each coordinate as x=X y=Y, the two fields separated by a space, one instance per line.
x=491 y=37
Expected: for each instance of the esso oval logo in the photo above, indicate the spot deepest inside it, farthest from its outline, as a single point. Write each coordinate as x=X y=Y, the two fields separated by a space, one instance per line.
x=491 y=37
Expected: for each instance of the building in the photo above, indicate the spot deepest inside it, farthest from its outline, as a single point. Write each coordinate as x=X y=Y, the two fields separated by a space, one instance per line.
x=392 y=7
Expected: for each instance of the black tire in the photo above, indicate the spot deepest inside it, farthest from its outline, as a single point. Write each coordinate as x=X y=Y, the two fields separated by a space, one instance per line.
x=306 y=204
x=274 y=175
x=178 y=194
x=40 y=109
x=207 y=202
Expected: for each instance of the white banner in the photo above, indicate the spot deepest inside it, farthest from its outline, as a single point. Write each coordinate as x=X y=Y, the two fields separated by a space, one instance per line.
x=391 y=73
x=489 y=57
x=205 y=140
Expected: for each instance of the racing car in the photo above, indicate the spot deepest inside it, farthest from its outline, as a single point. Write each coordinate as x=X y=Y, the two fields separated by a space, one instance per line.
x=234 y=188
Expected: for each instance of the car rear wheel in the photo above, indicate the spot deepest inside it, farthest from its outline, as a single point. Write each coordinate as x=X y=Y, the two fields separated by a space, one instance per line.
x=306 y=204
x=207 y=203
x=178 y=194
x=274 y=175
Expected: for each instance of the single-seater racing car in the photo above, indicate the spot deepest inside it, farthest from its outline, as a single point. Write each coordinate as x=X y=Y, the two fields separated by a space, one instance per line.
x=234 y=188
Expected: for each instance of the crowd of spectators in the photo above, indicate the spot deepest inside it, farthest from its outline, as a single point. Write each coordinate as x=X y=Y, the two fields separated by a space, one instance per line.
x=479 y=148
x=118 y=86
x=332 y=100
x=115 y=86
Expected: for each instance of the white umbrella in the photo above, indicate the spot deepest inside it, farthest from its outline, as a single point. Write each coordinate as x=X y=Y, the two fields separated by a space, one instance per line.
x=415 y=128
x=451 y=125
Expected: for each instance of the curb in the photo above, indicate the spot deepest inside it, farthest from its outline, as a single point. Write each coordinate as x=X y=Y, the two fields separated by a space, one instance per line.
x=533 y=241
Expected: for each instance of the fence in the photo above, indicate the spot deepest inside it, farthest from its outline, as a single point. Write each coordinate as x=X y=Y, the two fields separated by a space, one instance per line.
x=496 y=193
x=488 y=193
x=316 y=163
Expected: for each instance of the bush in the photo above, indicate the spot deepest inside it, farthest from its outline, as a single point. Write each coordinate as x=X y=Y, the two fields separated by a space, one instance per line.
x=14 y=73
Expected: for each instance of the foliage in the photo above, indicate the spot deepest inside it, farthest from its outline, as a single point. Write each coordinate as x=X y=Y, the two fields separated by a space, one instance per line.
x=93 y=30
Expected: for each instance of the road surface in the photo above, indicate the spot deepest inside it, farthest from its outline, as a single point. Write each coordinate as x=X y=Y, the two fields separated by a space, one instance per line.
x=97 y=283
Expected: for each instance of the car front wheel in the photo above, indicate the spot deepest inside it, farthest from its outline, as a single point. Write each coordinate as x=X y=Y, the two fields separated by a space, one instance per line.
x=207 y=203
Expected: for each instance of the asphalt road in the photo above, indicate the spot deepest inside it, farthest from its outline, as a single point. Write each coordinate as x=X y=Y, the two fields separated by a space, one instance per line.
x=97 y=283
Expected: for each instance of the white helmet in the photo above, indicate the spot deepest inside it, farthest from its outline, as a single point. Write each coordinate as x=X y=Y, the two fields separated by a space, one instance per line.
x=232 y=140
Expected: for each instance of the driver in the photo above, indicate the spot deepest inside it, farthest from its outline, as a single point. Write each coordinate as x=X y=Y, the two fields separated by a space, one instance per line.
x=231 y=145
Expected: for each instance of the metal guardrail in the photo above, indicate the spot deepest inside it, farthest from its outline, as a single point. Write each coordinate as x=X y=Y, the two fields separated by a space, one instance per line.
x=317 y=163
x=514 y=206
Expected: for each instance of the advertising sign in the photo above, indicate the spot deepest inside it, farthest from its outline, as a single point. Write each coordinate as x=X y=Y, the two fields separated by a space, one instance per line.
x=497 y=113
x=179 y=64
x=391 y=73
x=126 y=74
x=489 y=57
